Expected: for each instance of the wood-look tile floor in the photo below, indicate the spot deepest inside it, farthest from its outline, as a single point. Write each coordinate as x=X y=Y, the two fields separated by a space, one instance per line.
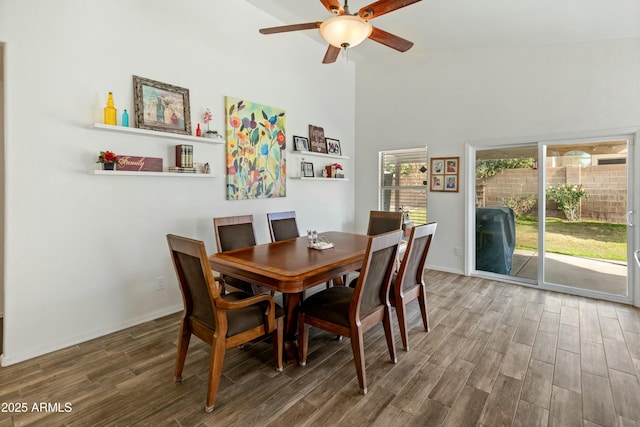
x=497 y=354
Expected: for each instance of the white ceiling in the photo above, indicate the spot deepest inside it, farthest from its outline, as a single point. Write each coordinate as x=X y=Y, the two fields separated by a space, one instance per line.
x=465 y=24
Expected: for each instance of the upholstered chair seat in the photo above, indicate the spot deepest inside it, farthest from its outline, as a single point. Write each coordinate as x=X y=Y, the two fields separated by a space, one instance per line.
x=332 y=305
x=247 y=318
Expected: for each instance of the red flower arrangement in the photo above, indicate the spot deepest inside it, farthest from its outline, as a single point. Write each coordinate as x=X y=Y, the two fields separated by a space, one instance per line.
x=337 y=166
x=107 y=157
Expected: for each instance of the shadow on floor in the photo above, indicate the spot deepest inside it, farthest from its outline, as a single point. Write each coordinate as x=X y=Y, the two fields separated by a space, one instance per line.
x=583 y=273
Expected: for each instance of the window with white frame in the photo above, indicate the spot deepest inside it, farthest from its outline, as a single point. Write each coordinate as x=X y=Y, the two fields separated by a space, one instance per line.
x=403 y=183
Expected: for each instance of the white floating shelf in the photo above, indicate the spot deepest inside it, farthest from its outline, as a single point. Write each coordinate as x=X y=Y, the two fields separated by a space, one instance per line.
x=303 y=178
x=135 y=173
x=154 y=133
x=313 y=153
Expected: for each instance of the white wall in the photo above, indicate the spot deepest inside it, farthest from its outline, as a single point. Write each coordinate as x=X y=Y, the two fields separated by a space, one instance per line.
x=446 y=99
x=1 y=180
x=82 y=251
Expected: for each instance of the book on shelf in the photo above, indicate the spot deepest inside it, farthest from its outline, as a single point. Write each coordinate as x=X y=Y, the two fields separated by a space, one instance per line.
x=178 y=169
x=184 y=156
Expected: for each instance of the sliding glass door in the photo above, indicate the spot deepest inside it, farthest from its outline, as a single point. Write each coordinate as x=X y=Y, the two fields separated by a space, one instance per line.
x=555 y=215
x=585 y=230
x=506 y=222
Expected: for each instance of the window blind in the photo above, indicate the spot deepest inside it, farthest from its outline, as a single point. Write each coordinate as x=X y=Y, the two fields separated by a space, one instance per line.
x=403 y=182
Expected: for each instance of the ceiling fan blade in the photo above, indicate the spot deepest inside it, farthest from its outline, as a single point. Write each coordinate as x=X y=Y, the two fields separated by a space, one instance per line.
x=388 y=39
x=383 y=6
x=333 y=6
x=294 y=27
x=331 y=55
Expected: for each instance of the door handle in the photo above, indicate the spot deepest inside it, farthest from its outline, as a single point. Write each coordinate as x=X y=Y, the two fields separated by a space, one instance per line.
x=628 y=218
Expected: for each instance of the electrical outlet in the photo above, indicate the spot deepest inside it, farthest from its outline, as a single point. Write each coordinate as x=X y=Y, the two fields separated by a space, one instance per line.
x=160 y=283
x=457 y=251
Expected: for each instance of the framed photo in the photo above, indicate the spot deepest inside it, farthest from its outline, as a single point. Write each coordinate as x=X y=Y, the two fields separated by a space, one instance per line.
x=316 y=139
x=436 y=183
x=437 y=166
x=161 y=106
x=451 y=166
x=300 y=143
x=333 y=146
x=450 y=183
x=445 y=174
x=307 y=170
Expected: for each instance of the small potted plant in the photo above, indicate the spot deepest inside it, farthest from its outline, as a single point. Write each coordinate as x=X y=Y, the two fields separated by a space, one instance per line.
x=109 y=160
x=206 y=118
x=338 y=170
x=332 y=171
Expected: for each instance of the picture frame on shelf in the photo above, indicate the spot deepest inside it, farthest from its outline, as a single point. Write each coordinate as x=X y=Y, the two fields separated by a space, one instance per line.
x=307 y=170
x=300 y=143
x=161 y=106
x=333 y=146
x=316 y=140
x=445 y=174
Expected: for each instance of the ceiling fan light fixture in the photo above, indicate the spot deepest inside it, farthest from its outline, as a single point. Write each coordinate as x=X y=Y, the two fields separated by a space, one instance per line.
x=345 y=30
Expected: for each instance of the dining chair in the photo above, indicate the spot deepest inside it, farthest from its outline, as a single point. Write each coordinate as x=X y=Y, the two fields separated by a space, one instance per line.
x=350 y=312
x=282 y=225
x=236 y=232
x=384 y=221
x=408 y=284
x=222 y=321
x=379 y=222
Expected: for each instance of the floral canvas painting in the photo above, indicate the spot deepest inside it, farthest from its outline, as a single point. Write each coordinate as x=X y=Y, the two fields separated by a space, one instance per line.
x=256 y=148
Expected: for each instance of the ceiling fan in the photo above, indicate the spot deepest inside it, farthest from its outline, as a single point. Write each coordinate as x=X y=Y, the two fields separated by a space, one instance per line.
x=346 y=30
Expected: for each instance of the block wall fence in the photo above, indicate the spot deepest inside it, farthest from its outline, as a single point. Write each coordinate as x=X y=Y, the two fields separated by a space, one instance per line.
x=605 y=184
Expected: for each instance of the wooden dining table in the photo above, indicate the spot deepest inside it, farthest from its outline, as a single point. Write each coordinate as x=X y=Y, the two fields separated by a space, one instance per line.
x=291 y=267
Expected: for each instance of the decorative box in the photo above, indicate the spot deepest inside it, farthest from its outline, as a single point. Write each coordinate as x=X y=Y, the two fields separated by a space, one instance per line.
x=139 y=164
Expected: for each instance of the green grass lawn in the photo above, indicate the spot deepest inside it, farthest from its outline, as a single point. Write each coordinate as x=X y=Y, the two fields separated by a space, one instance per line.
x=583 y=238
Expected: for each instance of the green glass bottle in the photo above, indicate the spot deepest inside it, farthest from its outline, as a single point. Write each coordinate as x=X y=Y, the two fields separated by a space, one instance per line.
x=110 y=111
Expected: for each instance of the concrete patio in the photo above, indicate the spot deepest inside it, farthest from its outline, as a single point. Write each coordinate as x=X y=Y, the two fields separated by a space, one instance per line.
x=584 y=273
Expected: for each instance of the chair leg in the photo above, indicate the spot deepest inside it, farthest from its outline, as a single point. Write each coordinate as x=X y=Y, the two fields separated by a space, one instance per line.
x=278 y=342
x=388 y=332
x=402 y=322
x=422 y=300
x=218 y=351
x=220 y=284
x=183 y=346
x=357 y=345
x=303 y=340
x=338 y=281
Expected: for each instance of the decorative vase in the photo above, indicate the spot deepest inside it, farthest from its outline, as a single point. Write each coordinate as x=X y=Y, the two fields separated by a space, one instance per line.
x=108 y=166
x=110 y=111
x=211 y=135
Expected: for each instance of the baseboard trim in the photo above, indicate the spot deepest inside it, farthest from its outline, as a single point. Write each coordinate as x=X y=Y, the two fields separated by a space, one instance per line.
x=445 y=269
x=11 y=359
